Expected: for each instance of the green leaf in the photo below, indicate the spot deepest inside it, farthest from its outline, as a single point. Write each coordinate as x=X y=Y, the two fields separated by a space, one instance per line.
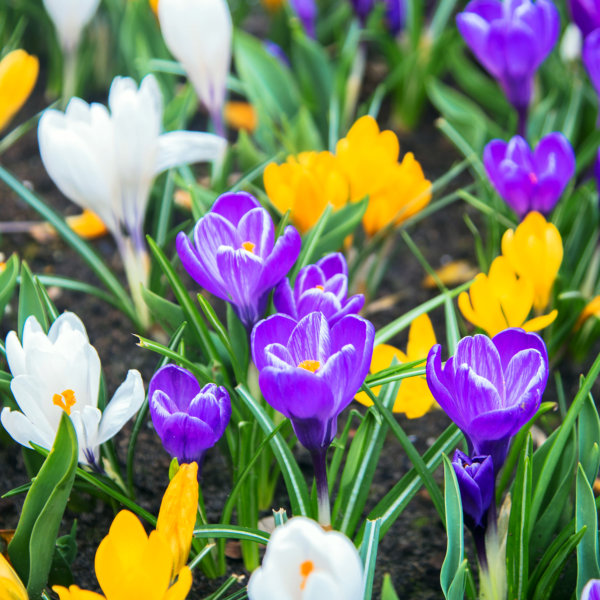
x=239 y=341
x=368 y=555
x=387 y=589
x=455 y=549
x=588 y=434
x=167 y=313
x=30 y=301
x=32 y=548
x=8 y=282
x=310 y=241
x=586 y=515
x=234 y=532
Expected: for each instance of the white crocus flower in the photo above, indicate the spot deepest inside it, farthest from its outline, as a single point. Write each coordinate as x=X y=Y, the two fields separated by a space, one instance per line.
x=69 y=18
x=305 y=562
x=107 y=162
x=198 y=33
x=60 y=372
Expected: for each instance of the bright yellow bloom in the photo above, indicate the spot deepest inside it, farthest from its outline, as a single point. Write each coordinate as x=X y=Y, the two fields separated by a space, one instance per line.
x=11 y=587
x=501 y=300
x=305 y=185
x=240 y=116
x=535 y=251
x=177 y=515
x=18 y=74
x=87 y=225
x=369 y=158
x=130 y=564
x=592 y=309
x=414 y=398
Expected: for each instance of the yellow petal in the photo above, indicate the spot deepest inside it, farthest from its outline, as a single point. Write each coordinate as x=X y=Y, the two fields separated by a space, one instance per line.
x=87 y=225
x=540 y=322
x=181 y=588
x=481 y=307
x=421 y=338
x=591 y=309
x=11 y=586
x=451 y=274
x=240 y=116
x=75 y=593
x=177 y=515
x=414 y=398
x=18 y=74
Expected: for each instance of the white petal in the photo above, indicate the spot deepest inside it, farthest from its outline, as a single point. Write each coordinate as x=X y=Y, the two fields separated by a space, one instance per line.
x=35 y=401
x=67 y=321
x=86 y=423
x=22 y=430
x=183 y=147
x=69 y=18
x=125 y=403
x=15 y=356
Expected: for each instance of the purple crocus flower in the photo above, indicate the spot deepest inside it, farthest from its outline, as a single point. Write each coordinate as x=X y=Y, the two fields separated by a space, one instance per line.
x=362 y=8
x=591 y=60
x=307 y=13
x=188 y=420
x=321 y=287
x=310 y=371
x=235 y=256
x=528 y=180
x=591 y=590
x=511 y=39
x=476 y=481
x=491 y=387
x=585 y=14
x=395 y=15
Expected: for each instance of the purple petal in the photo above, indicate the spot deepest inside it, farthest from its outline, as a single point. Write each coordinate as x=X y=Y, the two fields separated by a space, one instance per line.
x=283 y=299
x=512 y=341
x=591 y=58
x=333 y=264
x=187 y=438
x=318 y=301
x=481 y=356
x=554 y=156
x=234 y=206
x=309 y=277
x=546 y=194
x=284 y=255
x=338 y=285
x=519 y=152
x=274 y=330
x=256 y=226
x=591 y=590
x=526 y=378
x=340 y=373
x=212 y=406
x=176 y=383
x=278 y=356
x=310 y=339
x=475 y=30
x=585 y=14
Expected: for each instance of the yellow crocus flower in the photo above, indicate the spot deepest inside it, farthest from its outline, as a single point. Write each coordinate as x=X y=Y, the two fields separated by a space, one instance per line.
x=500 y=300
x=414 y=398
x=305 y=185
x=87 y=225
x=177 y=515
x=591 y=309
x=240 y=116
x=369 y=158
x=11 y=587
x=535 y=250
x=18 y=74
x=130 y=564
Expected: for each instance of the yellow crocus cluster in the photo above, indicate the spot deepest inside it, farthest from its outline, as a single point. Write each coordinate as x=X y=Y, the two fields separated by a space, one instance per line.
x=365 y=163
x=518 y=280
x=11 y=586
x=130 y=564
x=414 y=398
x=18 y=74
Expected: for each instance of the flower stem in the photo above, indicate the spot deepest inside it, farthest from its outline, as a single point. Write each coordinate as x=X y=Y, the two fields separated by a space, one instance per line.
x=522 y=124
x=69 y=82
x=320 y=466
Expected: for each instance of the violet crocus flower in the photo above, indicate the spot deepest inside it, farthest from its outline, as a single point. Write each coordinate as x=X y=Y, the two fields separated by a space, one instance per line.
x=591 y=590
x=235 y=255
x=307 y=13
x=591 y=60
x=476 y=479
x=511 y=39
x=320 y=287
x=585 y=14
x=491 y=387
x=362 y=8
x=188 y=420
x=310 y=372
x=527 y=180
x=395 y=15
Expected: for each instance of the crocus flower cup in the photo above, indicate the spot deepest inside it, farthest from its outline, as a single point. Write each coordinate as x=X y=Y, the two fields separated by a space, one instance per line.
x=235 y=255
x=591 y=59
x=530 y=181
x=307 y=13
x=18 y=74
x=591 y=590
x=490 y=388
x=187 y=418
x=585 y=14
x=320 y=287
x=69 y=18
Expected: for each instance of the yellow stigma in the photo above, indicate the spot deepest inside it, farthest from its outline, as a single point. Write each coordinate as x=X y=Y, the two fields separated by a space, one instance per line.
x=65 y=400
x=320 y=287
x=249 y=246
x=306 y=568
x=310 y=365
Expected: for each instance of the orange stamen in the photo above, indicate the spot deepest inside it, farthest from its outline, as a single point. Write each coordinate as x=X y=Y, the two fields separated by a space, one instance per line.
x=319 y=287
x=65 y=400
x=306 y=568
x=310 y=365
x=249 y=246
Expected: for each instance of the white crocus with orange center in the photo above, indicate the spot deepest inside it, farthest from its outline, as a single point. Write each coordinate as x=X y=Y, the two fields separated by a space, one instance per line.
x=60 y=372
x=305 y=562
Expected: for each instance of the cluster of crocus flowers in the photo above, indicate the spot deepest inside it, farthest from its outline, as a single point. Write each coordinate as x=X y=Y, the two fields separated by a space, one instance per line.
x=365 y=164
x=414 y=398
x=303 y=561
x=18 y=74
x=519 y=280
x=235 y=256
x=511 y=40
x=198 y=33
x=60 y=372
x=131 y=564
x=107 y=162
x=188 y=419
x=530 y=180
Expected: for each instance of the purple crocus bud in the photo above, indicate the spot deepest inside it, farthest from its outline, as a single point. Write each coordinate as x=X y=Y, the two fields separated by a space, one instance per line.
x=528 y=180
x=276 y=51
x=307 y=13
x=362 y=8
x=591 y=590
x=321 y=287
x=235 y=256
x=585 y=14
x=310 y=371
x=476 y=481
x=188 y=420
x=395 y=15
x=491 y=387
x=511 y=39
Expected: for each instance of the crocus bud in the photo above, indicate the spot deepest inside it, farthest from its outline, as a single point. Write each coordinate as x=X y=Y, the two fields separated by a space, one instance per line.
x=527 y=180
x=69 y=18
x=591 y=590
x=585 y=14
x=476 y=483
x=18 y=74
x=303 y=561
x=362 y=8
x=307 y=13
x=188 y=419
x=395 y=15
x=198 y=33
x=320 y=287
x=570 y=45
